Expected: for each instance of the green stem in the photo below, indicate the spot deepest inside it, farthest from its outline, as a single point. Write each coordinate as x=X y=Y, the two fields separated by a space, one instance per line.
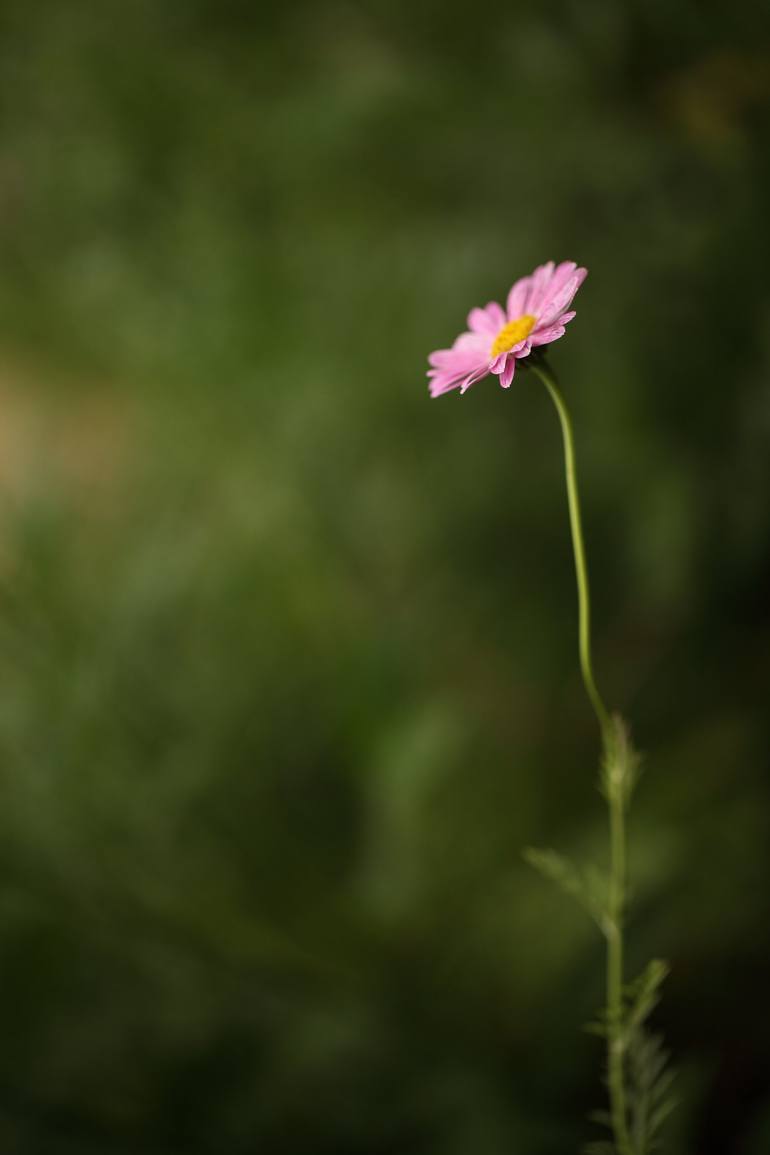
x=615 y=1034
x=581 y=569
x=616 y=795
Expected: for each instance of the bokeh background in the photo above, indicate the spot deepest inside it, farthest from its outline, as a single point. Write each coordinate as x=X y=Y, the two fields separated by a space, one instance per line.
x=287 y=652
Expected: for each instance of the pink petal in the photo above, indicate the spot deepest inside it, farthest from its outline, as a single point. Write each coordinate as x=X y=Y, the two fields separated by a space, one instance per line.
x=523 y=349
x=496 y=313
x=475 y=343
x=541 y=279
x=566 y=317
x=561 y=299
x=472 y=378
x=562 y=273
x=507 y=374
x=545 y=336
x=439 y=358
x=445 y=382
x=485 y=320
x=517 y=298
x=464 y=368
x=468 y=350
x=498 y=363
x=436 y=388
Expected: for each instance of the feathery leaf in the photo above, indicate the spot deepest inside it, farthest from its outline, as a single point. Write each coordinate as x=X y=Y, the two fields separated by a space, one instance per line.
x=588 y=886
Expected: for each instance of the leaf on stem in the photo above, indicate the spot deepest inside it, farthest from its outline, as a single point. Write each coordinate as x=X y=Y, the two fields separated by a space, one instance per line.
x=650 y=1100
x=588 y=886
x=643 y=994
x=648 y=1075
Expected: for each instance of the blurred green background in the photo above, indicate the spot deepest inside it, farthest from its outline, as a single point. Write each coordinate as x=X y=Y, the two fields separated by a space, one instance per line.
x=287 y=651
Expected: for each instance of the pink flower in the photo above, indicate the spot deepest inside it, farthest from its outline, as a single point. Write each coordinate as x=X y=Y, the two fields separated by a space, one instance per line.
x=536 y=315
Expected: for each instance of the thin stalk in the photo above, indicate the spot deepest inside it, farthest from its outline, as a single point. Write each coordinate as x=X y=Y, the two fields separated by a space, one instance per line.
x=581 y=569
x=615 y=1036
x=615 y=793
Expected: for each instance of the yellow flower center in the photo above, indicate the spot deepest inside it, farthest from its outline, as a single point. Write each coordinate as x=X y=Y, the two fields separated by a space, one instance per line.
x=512 y=333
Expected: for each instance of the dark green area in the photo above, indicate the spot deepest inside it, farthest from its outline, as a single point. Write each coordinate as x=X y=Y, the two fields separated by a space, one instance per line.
x=287 y=652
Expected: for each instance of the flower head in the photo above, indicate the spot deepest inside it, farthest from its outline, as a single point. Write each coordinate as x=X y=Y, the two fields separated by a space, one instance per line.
x=535 y=314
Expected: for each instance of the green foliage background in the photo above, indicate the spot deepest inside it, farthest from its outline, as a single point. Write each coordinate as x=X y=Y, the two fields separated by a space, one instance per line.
x=287 y=651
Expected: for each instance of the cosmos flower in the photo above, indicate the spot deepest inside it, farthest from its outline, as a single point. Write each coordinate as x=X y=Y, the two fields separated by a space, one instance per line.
x=536 y=313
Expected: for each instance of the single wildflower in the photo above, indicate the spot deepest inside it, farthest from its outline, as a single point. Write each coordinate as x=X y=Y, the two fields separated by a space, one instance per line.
x=637 y=1078
x=536 y=313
